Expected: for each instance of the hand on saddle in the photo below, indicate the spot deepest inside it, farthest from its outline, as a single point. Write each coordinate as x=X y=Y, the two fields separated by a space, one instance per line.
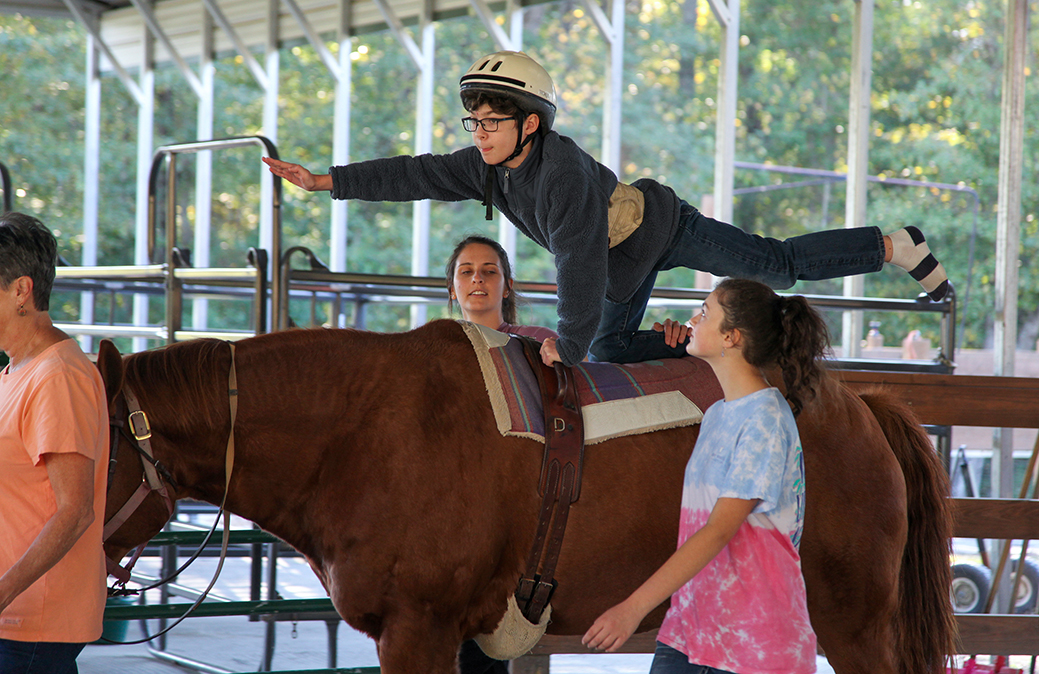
x=549 y=354
x=674 y=332
x=614 y=627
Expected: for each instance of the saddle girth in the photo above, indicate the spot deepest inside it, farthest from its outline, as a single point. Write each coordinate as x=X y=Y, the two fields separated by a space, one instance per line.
x=560 y=483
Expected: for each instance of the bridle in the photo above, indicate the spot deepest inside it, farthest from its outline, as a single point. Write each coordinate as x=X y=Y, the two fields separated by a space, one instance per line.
x=157 y=478
x=139 y=437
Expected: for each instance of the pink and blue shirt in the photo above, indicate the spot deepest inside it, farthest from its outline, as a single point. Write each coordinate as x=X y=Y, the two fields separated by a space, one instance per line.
x=746 y=611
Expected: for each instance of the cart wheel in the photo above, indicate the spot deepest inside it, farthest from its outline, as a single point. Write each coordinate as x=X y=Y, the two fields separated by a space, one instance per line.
x=970 y=587
x=1028 y=590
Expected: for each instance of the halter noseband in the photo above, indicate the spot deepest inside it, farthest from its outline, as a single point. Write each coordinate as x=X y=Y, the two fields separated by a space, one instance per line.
x=156 y=476
x=139 y=437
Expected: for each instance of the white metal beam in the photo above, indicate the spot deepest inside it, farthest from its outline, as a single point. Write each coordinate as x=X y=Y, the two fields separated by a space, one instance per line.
x=722 y=12
x=397 y=28
x=858 y=159
x=156 y=29
x=486 y=16
x=92 y=28
x=423 y=145
x=1008 y=220
x=341 y=138
x=91 y=180
x=601 y=21
x=506 y=230
x=240 y=48
x=313 y=38
x=145 y=148
x=204 y=169
x=270 y=129
x=1011 y=163
x=725 y=129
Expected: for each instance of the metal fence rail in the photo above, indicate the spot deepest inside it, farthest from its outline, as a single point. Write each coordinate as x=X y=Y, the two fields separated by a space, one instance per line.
x=316 y=285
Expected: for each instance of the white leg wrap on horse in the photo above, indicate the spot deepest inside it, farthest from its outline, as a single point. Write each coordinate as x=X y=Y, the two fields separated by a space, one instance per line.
x=910 y=252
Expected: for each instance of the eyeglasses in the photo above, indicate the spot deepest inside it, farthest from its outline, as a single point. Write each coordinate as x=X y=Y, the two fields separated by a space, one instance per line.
x=489 y=124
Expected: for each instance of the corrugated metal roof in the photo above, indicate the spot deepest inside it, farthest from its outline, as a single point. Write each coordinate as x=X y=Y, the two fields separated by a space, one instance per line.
x=122 y=25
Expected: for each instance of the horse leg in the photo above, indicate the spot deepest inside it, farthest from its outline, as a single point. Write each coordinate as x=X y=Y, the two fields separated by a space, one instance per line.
x=418 y=642
x=852 y=599
x=859 y=651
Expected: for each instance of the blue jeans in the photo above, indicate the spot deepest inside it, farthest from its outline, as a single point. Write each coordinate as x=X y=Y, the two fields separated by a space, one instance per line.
x=38 y=657
x=667 y=660
x=708 y=245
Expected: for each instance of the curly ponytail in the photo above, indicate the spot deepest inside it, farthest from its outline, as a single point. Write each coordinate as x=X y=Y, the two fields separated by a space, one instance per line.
x=784 y=331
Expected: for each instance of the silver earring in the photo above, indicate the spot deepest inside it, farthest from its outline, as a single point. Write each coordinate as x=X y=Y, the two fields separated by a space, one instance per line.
x=723 y=352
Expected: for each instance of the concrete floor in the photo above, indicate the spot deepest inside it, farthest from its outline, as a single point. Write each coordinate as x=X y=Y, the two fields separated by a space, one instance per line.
x=234 y=644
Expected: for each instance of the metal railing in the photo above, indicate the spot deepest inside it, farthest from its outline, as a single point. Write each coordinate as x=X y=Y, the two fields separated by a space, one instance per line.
x=247 y=283
x=169 y=154
x=319 y=285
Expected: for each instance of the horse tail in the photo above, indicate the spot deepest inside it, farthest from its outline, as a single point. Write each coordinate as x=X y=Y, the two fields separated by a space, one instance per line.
x=924 y=623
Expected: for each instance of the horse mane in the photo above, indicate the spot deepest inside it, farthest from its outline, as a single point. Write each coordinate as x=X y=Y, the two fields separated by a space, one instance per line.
x=194 y=371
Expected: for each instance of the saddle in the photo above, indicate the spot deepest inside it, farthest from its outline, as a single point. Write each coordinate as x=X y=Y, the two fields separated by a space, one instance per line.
x=560 y=483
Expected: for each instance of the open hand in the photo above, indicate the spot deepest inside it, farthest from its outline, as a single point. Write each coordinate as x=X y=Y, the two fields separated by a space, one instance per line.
x=297 y=175
x=674 y=332
x=613 y=628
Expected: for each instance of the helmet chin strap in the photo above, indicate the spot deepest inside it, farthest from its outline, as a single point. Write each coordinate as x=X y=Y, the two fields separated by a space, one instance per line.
x=488 y=188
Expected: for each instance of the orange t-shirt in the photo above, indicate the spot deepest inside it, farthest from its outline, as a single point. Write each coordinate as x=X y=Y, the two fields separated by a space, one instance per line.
x=56 y=403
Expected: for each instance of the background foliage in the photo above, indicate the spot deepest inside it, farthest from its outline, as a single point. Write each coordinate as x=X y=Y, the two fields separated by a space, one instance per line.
x=935 y=118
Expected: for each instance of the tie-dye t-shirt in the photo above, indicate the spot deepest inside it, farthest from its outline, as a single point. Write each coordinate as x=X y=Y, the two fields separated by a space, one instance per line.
x=746 y=610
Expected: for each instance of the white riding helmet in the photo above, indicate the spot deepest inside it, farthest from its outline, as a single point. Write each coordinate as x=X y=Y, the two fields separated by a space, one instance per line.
x=514 y=75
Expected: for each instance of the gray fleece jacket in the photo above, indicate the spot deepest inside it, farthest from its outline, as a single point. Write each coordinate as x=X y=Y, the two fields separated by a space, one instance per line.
x=559 y=197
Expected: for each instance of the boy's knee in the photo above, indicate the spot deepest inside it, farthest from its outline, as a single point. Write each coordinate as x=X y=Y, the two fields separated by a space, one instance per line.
x=599 y=353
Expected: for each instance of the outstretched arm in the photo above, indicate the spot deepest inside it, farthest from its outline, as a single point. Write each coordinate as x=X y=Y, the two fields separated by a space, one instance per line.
x=613 y=628
x=299 y=176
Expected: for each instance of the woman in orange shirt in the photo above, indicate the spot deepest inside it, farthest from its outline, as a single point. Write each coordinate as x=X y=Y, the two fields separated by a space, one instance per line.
x=53 y=449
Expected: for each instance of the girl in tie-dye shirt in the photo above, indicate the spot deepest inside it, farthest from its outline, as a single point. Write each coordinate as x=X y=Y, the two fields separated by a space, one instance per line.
x=737 y=595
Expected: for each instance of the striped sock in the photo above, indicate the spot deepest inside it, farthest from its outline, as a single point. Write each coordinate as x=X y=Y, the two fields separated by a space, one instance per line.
x=910 y=252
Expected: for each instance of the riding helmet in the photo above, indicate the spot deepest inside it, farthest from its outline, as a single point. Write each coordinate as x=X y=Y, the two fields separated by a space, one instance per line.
x=516 y=76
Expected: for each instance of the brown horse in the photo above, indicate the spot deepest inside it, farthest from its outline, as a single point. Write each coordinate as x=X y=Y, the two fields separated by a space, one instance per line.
x=378 y=458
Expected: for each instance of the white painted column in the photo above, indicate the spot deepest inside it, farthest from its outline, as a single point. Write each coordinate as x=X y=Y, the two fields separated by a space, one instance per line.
x=611 y=140
x=506 y=230
x=204 y=169
x=91 y=181
x=272 y=62
x=858 y=159
x=145 y=149
x=339 y=245
x=1008 y=240
x=725 y=131
x=423 y=144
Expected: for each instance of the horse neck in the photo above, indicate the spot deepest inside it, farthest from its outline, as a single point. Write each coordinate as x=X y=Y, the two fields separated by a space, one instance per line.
x=291 y=386
x=184 y=393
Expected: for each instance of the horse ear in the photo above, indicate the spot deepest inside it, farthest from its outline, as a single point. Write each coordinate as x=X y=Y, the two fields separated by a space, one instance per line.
x=110 y=363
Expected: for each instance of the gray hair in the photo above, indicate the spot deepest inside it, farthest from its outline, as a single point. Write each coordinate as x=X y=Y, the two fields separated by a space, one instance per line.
x=28 y=248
